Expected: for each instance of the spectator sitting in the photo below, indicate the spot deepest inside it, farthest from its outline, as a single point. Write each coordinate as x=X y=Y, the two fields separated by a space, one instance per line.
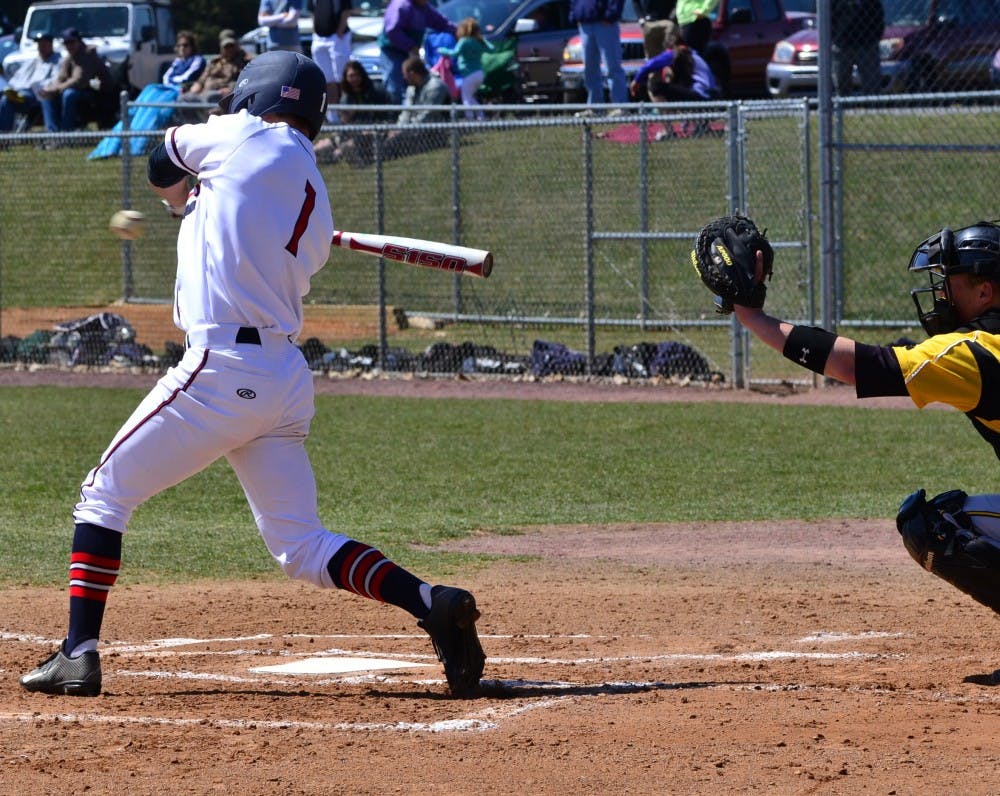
x=21 y=94
x=356 y=89
x=281 y=18
x=188 y=65
x=219 y=77
x=82 y=81
x=679 y=74
x=424 y=90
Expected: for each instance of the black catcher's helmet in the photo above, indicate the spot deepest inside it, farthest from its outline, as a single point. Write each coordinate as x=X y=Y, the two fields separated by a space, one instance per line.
x=971 y=250
x=280 y=81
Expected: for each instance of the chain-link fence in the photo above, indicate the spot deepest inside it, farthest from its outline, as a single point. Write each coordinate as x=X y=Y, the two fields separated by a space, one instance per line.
x=590 y=221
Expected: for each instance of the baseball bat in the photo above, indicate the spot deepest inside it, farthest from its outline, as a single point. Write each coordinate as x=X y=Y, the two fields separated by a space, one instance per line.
x=413 y=251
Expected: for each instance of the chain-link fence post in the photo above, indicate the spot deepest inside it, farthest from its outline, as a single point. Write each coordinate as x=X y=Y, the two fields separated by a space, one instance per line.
x=827 y=198
x=456 y=199
x=128 y=283
x=643 y=221
x=588 y=226
x=734 y=202
x=383 y=329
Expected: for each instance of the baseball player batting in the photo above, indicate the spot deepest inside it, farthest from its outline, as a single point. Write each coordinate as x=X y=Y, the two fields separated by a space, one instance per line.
x=953 y=535
x=254 y=229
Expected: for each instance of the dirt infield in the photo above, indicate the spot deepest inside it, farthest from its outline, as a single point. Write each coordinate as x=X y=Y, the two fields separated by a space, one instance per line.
x=792 y=657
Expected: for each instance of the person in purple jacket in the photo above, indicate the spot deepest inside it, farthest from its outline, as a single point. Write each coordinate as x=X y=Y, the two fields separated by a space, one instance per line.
x=406 y=21
x=690 y=77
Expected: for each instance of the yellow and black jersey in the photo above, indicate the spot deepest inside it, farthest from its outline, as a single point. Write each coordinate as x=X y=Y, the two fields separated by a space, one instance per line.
x=961 y=369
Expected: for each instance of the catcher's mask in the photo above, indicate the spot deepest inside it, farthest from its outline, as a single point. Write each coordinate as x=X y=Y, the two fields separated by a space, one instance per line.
x=971 y=250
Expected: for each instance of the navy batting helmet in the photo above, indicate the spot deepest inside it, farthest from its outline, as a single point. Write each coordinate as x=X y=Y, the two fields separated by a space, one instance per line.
x=971 y=250
x=280 y=81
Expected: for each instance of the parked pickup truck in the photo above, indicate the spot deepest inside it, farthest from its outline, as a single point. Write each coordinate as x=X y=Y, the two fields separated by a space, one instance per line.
x=135 y=37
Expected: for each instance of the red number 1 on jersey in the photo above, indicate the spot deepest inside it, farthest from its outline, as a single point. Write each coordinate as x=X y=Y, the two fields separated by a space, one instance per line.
x=308 y=204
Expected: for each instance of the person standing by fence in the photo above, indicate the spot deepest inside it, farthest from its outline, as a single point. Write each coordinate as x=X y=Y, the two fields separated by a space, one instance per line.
x=659 y=31
x=406 y=22
x=856 y=30
x=468 y=54
x=695 y=20
x=331 y=46
x=600 y=34
x=281 y=18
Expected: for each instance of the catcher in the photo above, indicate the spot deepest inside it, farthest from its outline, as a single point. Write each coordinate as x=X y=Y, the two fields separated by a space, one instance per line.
x=953 y=535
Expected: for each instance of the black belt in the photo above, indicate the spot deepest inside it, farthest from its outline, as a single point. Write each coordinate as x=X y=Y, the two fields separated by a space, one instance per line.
x=248 y=334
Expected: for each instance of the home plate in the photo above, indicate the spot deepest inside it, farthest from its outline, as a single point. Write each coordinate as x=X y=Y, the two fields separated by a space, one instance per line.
x=338 y=665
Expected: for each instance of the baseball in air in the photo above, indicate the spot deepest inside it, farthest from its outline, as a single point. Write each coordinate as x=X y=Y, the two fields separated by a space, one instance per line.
x=128 y=224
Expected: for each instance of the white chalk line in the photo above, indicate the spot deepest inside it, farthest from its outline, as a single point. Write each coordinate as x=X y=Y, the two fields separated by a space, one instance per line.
x=829 y=637
x=489 y=718
x=448 y=725
x=480 y=721
x=166 y=647
x=169 y=643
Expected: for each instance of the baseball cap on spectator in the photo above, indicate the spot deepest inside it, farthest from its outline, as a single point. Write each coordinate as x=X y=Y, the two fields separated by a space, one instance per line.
x=42 y=35
x=227 y=36
x=71 y=34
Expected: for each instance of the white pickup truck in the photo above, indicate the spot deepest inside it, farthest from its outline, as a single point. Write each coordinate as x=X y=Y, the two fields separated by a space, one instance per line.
x=135 y=37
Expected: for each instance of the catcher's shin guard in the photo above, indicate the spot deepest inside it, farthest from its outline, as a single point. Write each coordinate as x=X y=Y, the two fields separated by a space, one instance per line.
x=940 y=537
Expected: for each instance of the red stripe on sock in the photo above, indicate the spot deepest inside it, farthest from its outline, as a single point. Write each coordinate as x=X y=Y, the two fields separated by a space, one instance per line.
x=97 y=595
x=345 y=569
x=99 y=578
x=361 y=573
x=376 y=585
x=95 y=561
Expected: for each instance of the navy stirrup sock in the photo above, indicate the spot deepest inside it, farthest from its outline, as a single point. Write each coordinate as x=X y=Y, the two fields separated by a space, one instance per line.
x=93 y=570
x=362 y=569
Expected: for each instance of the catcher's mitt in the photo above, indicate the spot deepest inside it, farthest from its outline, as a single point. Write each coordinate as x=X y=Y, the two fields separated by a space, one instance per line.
x=725 y=257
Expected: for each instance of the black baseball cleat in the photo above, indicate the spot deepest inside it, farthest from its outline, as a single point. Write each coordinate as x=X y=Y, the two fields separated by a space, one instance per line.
x=60 y=674
x=451 y=624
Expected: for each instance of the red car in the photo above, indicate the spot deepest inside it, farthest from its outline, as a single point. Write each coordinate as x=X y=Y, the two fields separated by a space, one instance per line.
x=927 y=45
x=744 y=34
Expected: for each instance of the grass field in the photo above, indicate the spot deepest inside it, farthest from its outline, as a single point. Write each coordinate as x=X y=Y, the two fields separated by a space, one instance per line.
x=397 y=472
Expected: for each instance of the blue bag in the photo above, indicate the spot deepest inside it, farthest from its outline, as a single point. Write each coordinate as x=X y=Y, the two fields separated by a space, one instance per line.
x=141 y=118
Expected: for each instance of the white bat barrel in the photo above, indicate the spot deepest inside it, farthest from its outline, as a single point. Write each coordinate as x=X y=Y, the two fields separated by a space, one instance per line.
x=423 y=253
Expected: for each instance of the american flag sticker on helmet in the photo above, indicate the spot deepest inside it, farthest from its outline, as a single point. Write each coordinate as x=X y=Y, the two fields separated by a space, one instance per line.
x=290 y=92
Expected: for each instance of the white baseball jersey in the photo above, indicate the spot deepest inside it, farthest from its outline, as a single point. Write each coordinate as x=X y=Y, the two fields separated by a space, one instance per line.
x=248 y=262
x=256 y=228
